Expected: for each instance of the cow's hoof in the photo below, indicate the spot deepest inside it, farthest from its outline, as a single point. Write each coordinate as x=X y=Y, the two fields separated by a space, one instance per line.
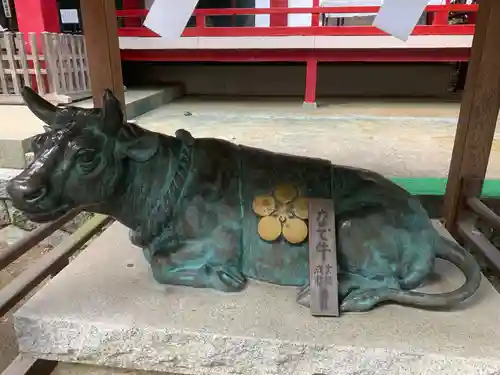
x=365 y=300
x=227 y=279
x=304 y=296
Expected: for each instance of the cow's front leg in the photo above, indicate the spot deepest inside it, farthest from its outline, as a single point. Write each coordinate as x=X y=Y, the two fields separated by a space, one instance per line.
x=196 y=267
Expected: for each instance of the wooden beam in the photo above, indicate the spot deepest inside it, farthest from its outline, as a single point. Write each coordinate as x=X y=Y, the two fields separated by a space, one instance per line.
x=100 y=29
x=26 y=365
x=478 y=112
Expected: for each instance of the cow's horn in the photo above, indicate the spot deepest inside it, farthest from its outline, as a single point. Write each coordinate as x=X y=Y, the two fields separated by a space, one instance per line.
x=41 y=108
x=112 y=113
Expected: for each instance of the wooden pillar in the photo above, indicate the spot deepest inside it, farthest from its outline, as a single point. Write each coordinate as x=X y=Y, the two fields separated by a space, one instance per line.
x=101 y=37
x=478 y=112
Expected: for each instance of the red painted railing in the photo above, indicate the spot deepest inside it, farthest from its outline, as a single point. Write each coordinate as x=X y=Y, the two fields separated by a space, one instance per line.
x=438 y=14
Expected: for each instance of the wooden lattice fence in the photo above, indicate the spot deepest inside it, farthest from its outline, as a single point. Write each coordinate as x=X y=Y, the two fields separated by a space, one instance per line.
x=55 y=65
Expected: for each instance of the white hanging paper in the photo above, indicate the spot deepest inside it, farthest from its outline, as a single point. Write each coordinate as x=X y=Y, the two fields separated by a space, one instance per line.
x=168 y=18
x=399 y=17
x=69 y=16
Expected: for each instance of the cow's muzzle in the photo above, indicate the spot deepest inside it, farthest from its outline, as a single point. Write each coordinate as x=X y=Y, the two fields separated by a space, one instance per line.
x=24 y=193
x=32 y=199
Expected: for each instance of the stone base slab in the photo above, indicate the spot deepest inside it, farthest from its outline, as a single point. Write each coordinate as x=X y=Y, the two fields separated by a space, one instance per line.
x=309 y=105
x=105 y=309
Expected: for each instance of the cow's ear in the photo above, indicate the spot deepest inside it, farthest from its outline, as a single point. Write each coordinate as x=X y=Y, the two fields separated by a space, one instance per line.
x=112 y=113
x=141 y=149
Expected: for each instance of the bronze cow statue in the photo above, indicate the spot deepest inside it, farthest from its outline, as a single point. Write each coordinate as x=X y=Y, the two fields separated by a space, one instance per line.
x=211 y=214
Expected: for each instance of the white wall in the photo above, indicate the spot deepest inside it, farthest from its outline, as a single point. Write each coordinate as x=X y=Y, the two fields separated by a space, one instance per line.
x=300 y=19
x=262 y=20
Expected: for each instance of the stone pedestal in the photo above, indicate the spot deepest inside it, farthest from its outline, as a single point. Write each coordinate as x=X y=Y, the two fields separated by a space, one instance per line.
x=105 y=309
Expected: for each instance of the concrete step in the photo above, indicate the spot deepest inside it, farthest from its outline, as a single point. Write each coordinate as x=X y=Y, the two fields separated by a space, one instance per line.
x=105 y=309
x=20 y=125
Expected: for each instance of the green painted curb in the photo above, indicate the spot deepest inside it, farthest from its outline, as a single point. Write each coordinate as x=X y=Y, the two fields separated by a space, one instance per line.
x=437 y=186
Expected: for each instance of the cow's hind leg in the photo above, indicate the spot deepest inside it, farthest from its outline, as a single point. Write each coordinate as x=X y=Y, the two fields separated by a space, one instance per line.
x=361 y=293
x=366 y=299
x=357 y=293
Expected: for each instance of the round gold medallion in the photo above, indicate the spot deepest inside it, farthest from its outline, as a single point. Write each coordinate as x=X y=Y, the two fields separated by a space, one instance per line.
x=295 y=231
x=300 y=207
x=269 y=228
x=285 y=193
x=264 y=205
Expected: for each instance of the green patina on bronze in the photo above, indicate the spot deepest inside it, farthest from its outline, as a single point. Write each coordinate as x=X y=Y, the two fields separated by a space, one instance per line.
x=188 y=203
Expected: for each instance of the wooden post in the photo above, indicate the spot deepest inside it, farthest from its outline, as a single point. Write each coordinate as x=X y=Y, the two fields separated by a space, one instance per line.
x=478 y=112
x=103 y=52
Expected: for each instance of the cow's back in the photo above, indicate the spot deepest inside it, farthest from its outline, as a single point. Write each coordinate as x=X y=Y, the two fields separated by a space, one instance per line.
x=277 y=261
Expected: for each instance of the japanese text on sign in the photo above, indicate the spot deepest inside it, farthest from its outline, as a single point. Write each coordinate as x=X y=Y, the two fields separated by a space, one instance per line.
x=323 y=283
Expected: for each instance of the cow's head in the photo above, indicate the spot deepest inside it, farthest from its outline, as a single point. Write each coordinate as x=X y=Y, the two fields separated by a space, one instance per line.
x=79 y=161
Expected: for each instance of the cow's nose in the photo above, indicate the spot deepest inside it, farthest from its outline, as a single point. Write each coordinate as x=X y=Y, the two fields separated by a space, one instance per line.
x=25 y=192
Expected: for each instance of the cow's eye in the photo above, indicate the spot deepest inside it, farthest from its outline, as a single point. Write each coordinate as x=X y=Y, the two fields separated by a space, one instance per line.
x=85 y=157
x=87 y=161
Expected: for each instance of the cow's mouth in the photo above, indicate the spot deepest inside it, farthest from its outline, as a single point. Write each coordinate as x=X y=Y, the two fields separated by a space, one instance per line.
x=47 y=216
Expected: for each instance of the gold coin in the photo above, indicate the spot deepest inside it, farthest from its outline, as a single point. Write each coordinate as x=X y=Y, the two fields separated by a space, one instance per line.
x=300 y=207
x=269 y=228
x=295 y=231
x=285 y=193
x=263 y=205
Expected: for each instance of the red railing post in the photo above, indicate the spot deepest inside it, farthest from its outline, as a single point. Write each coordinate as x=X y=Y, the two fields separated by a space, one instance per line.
x=234 y=16
x=279 y=19
x=132 y=21
x=315 y=16
x=441 y=18
x=311 y=83
x=200 y=21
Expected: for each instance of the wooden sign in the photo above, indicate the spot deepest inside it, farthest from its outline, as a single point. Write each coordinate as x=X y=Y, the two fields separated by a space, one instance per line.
x=323 y=282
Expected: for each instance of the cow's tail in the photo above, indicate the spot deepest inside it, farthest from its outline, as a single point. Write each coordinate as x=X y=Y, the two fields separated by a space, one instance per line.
x=461 y=258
